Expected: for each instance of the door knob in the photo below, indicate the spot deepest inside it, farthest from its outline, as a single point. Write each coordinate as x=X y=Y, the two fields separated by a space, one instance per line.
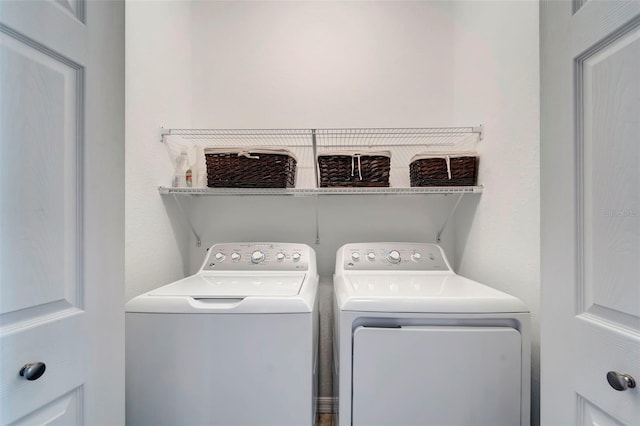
x=33 y=371
x=620 y=381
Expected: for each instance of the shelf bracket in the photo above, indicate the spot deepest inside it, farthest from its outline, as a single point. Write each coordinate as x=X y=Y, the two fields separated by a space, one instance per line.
x=480 y=130
x=451 y=213
x=193 y=230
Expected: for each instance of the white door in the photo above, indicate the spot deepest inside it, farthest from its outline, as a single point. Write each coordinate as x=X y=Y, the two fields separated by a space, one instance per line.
x=62 y=212
x=590 y=168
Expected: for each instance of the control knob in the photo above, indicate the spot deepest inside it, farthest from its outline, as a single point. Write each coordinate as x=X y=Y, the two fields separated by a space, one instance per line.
x=371 y=256
x=235 y=256
x=393 y=256
x=295 y=257
x=355 y=256
x=219 y=257
x=280 y=256
x=257 y=256
x=416 y=257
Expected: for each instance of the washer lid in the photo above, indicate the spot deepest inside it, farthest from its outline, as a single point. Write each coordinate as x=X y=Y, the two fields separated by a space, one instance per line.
x=233 y=285
x=446 y=293
x=237 y=293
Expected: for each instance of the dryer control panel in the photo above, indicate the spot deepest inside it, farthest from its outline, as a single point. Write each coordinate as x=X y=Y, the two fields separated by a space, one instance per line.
x=258 y=257
x=391 y=256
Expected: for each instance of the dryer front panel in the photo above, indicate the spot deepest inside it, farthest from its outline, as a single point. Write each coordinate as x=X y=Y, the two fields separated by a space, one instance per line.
x=436 y=375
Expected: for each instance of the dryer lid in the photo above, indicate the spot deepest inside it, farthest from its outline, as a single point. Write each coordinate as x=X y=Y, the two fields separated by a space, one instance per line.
x=234 y=286
x=445 y=293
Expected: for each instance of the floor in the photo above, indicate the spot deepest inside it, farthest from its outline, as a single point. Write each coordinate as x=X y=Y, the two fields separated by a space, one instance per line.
x=325 y=419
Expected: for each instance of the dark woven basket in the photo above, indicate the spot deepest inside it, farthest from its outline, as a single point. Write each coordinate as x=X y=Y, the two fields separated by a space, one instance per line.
x=264 y=170
x=344 y=170
x=433 y=171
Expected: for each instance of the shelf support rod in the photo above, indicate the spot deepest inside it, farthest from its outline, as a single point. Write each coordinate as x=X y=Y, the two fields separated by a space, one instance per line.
x=451 y=213
x=315 y=157
x=314 y=143
x=193 y=230
x=317 y=220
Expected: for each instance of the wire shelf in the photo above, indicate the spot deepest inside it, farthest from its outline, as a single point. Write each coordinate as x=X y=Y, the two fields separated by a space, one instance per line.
x=332 y=137
x=321 y=191
x=306 y=144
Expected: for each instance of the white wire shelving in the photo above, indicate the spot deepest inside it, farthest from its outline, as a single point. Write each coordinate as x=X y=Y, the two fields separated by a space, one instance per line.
x=301 y=192
x=306 y=144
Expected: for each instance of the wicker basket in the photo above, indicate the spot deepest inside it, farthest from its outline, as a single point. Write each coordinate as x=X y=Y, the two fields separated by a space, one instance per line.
x=354 y=168
x=444 y=169
x=250 y=168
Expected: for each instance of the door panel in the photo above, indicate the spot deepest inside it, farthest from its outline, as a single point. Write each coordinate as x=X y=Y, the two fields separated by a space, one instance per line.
x=40 y=227
x=610 y=93
x=590 y=193
x=591 y=415
x=40 y=174
x=66 y=410
x=437 y=376
x=43 y=341
x=61 y=247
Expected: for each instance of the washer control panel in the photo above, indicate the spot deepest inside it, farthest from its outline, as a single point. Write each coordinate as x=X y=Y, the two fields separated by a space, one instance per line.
x=392 y=256
x=257 y=256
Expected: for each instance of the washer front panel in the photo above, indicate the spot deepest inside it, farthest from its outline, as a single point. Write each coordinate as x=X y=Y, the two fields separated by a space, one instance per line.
x=429 y=375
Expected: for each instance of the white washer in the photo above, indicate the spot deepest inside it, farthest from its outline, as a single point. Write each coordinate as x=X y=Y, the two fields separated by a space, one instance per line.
x=416 y=344
x=234 y=344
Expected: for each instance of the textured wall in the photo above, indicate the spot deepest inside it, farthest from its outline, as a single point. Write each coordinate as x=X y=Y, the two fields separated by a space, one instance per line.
x=158 y=93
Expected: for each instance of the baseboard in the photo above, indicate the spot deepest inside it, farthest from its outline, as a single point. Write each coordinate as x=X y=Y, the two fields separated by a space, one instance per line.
x=327 y=404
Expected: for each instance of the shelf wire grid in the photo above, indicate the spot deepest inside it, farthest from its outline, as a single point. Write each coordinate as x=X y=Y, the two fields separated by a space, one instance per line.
x=403 y=143
x=331 y=137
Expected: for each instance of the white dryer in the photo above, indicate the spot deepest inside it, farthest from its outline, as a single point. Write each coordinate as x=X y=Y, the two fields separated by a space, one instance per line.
x=416 y=344
x=234 y=344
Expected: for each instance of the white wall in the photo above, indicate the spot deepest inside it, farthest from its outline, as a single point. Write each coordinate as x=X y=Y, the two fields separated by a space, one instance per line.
x=496 y=74
x=321 y=64
x=337 y=64
x=158 y=93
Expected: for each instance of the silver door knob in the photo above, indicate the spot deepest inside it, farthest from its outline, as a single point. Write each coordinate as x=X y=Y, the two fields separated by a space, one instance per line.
x=620 y=381
x=33 y=371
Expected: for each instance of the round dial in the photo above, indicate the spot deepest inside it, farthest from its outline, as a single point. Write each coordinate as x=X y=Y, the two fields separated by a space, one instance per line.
x=257 y=256
x=219 y=257
x=355 y=256
x=393 y=256
x=235 y=256
x=295 y=257
x=280 y=256
x=371 y=256
x=416 y=257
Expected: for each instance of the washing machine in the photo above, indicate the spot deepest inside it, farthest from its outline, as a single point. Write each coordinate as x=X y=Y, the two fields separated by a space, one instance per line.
x=417 y=344
x=234 y=344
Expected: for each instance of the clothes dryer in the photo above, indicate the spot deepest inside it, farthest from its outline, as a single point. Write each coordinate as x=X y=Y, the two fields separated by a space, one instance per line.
x=234 y=344
x=417 y=344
